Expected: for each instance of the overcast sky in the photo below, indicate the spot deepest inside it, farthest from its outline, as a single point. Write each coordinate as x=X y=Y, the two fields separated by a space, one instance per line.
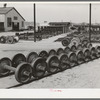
x=74 y=12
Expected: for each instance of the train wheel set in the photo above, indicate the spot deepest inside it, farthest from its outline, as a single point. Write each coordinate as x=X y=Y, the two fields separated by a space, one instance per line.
x=9 y=39
x=37 y=65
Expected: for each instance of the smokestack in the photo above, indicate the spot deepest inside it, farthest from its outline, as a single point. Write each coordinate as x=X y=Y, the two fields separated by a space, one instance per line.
x=5 y=5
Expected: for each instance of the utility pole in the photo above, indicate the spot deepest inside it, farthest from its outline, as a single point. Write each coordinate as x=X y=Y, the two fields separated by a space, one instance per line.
x=34 y=22
x=90 y=23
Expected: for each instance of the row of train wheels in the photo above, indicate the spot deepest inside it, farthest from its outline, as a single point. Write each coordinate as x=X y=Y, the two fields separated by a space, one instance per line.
x=38 y=65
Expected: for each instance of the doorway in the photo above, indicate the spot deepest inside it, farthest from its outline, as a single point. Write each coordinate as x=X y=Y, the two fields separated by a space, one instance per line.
x=15 y=26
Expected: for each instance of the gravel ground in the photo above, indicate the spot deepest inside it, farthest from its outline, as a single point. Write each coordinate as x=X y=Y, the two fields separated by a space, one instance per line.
x=83 y=76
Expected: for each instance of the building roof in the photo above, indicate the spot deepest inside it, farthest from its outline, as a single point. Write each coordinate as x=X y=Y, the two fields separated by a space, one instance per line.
x=87 y=25
x=5 y=10
x=59 y=23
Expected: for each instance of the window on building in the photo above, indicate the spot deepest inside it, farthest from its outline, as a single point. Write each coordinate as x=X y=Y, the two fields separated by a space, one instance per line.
x=9 y=22
x=15 y=17
x=22 y=24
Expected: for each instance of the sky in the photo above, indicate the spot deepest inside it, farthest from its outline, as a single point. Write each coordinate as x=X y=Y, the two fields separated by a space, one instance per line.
x=58 y=12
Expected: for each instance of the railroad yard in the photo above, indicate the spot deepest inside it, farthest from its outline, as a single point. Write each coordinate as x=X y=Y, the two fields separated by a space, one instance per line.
x=85 y=75
x=54 y=54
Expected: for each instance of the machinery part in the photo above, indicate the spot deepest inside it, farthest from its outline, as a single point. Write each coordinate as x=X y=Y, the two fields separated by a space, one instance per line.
x=80 y=57
x=79 y=47
x=64 y=62
x=52 y=52
x=17 y=59
x=67 y=50
x=52 y=64
x=10 y=40
x=87 y=54
x=23 y=72
x=31 y=57
x=16 y=39
x=38 y=64
x=65 y=42
x=75 y=41
x=73 y=59
x=73 y=48
x=17 y=34
x=3 y=71
x=98 y=51
x=85 y=42
x=2 y=39
x=93 y=52
x=89 y=45
x=43 y=54
x=59 y=51
x=39 y=67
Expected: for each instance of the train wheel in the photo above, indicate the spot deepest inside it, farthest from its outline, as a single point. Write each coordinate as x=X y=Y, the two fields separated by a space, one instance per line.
x=73 y=59
x=64 y=62
x=80 y=57
x=87 y=54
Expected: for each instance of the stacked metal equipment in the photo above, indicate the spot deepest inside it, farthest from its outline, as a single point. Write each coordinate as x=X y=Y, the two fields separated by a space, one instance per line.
x=47 y=62
x=9 y=39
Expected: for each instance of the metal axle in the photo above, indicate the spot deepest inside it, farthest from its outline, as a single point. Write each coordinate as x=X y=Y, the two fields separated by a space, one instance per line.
x=55 y=64
x=14 y=69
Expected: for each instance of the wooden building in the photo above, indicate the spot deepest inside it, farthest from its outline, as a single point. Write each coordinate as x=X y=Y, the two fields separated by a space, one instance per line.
x=10 y=19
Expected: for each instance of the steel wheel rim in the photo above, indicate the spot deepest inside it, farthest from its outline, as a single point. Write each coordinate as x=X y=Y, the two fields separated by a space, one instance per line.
x=19 y=73
x=64 y=58
x=43 y=54
x=67 y=50
x=4 y=61
x=80 y=57
x=59 y=51
x=39 y=67
x=52 y=59
x=52 y=52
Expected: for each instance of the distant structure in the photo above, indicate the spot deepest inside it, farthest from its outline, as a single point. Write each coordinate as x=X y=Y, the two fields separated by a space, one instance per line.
x=10 y=19
x=64 y=26
x=30 y=25
x=60 y=23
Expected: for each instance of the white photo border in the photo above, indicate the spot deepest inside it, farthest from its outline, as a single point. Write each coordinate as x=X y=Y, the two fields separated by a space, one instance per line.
x=28 y=94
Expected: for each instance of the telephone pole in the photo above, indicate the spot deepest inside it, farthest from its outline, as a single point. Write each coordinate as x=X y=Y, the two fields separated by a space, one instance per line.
x=90 y=23
x=34 y=22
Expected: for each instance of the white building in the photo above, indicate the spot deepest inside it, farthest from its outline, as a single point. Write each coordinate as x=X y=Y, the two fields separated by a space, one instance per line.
x=10 y=19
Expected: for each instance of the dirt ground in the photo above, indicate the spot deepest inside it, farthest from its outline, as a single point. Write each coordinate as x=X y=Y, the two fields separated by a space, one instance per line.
x=86 y=75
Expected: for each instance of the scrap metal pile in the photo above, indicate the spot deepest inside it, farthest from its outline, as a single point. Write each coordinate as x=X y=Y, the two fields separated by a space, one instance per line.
x=28 y=36
x=49 y=31
x=42 y=33
x=37 y=65
x=66 y=41
x=95 y=37
x=9 y=39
